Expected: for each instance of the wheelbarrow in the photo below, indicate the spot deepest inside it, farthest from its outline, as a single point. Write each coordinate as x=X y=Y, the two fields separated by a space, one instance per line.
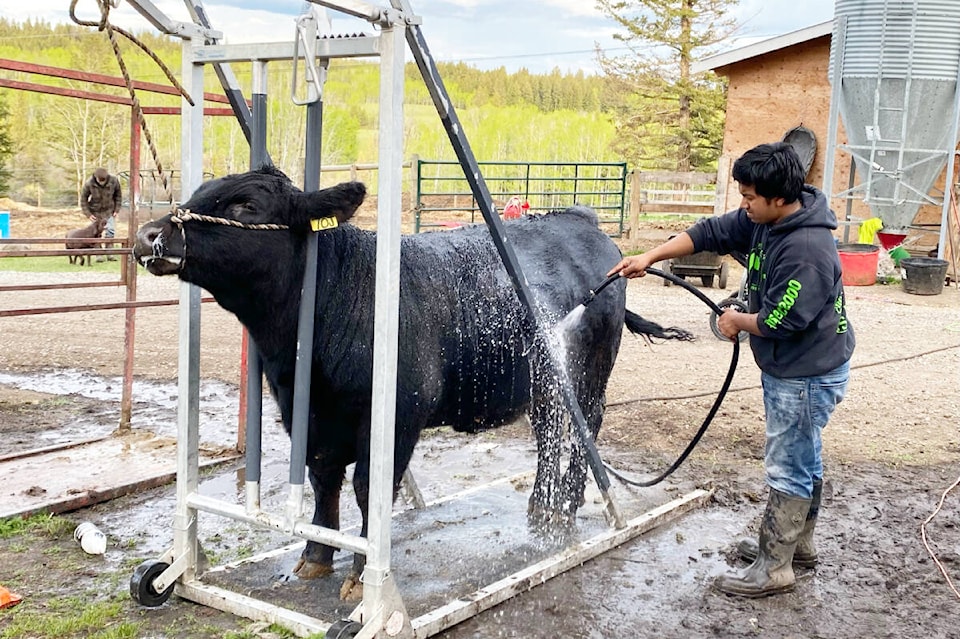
x=706 y=265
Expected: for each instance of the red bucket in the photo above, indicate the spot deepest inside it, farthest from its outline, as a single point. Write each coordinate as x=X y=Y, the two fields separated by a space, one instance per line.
x=858 y=263
x=890 y=240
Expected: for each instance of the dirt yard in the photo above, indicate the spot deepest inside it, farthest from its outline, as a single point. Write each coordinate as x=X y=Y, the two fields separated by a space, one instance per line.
x=891 y=450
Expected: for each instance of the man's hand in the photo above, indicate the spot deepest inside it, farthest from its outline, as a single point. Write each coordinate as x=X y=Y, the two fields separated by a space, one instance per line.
x=733 y=321
x=632 y=266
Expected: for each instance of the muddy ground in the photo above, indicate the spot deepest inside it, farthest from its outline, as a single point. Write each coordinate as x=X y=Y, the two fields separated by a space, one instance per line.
x=891 y=450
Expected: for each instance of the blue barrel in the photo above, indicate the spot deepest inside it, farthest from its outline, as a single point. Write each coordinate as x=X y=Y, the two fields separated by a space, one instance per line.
x=4 y=224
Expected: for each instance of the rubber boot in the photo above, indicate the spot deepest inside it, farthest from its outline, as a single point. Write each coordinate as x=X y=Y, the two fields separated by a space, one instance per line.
x=805 y=556
x=771 y=572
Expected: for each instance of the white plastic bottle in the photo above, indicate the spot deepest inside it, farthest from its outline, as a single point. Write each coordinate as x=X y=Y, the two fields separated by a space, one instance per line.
x=90 y=538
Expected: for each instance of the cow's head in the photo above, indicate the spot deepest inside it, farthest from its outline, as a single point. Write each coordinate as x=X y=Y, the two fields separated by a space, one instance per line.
x=259 y=201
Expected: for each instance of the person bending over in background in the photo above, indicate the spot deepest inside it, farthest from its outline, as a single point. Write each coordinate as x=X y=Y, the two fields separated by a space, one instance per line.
x=801 y=339
x=100 y=199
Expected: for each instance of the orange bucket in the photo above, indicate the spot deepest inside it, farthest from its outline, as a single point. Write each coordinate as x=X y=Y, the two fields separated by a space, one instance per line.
x=858 y=263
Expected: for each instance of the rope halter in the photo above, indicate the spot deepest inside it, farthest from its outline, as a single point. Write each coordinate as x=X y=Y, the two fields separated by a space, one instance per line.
x=182 y=216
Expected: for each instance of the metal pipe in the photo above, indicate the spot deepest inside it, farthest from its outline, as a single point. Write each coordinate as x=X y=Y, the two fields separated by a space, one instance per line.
x=228 y=80
x=308 y=303
x=838 y=40
x=253 y=382
x=188 y=377
x=266 y=520
x=386 y=328
x=130 y=273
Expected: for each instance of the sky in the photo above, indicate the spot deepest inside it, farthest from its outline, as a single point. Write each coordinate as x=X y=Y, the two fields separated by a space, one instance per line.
x=538 y=35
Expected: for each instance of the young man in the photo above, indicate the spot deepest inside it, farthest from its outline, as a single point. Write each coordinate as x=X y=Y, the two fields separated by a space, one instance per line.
x=801 y=340
x=101 y=198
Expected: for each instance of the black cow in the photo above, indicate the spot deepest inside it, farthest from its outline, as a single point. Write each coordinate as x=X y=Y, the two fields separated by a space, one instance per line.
x=468 y=356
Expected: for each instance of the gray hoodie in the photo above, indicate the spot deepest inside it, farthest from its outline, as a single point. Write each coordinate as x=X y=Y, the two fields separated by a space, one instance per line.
x=794 y=285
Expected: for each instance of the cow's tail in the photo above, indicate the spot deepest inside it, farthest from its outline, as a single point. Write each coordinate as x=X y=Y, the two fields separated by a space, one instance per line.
x=648 y=329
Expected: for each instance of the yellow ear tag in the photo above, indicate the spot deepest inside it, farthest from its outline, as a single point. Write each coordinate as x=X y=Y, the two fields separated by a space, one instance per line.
x=324 y=224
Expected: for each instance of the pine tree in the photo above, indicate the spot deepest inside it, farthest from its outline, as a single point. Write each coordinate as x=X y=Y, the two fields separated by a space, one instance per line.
x=663 y=111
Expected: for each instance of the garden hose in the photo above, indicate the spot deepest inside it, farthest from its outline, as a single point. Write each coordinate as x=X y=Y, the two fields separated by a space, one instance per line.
x=734 y=358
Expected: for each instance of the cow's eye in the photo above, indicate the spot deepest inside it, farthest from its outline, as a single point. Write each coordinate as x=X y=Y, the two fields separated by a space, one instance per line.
x=241 y=211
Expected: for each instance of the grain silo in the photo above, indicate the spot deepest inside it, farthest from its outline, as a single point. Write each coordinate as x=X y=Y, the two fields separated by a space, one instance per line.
x=898 y=63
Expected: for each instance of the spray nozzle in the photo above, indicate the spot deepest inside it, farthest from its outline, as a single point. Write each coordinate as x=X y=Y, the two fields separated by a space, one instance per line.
x=592 y=295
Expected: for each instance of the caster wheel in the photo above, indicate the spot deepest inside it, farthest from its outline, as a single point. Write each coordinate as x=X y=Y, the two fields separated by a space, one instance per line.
x=141 y=584
x=343 y=629
x=730 y=302
x=724 y=273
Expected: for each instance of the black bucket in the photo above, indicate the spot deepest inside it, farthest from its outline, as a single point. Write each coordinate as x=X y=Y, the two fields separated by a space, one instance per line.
x=923 y=275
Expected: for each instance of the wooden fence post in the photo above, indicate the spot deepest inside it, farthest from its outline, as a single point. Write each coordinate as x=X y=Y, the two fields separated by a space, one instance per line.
x=723 y=183
x=634 y=209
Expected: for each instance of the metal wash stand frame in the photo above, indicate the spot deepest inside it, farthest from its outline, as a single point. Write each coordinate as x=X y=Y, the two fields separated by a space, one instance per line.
x=382 y=612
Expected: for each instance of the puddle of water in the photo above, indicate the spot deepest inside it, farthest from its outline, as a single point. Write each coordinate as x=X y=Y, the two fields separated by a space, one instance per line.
x=154 y=408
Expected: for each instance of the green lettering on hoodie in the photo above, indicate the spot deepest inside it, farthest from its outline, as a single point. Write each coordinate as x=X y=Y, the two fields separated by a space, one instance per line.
x=776 y=316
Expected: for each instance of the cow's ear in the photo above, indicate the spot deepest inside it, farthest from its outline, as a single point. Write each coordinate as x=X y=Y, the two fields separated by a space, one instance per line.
x=340 y=201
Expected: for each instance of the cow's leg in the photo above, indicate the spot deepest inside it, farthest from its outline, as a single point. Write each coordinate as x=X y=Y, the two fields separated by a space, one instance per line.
x=546 y=418
x=326 y=477
x=406 y=439
x=352 y=588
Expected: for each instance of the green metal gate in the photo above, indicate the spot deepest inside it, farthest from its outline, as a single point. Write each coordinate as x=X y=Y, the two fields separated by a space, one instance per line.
x=444 y=198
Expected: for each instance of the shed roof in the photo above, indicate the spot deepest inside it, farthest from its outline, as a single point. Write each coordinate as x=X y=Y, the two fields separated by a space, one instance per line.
x=760 y=48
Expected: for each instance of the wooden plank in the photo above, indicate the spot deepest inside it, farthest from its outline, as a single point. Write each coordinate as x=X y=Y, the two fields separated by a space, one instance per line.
x=62 y=480
x=50 y=449
x=658 y=205
x=676 y=177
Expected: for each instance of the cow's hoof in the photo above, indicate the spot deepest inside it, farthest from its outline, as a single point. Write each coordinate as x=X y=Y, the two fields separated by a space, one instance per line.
x=352 y=588
x=311 y=569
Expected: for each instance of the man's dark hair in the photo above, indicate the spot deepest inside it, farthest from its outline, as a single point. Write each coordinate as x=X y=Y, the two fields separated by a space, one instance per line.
x=773 y=170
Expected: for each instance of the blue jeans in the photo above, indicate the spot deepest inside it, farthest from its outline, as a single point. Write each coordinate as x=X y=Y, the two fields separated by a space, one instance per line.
x=797 y=410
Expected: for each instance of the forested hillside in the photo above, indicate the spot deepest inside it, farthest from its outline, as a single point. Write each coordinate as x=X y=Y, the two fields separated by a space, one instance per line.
x=58 y=140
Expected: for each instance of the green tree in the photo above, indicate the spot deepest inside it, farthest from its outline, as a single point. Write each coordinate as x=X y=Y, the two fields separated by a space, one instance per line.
x=663 y=111
x=6 y=146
